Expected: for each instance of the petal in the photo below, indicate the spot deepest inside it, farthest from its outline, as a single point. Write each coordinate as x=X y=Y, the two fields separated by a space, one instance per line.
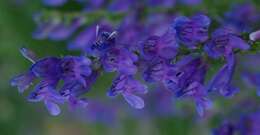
x=23 y=81
x=52 y=107
x=180 y=21
x=202 y=104
x=238 y=43
x=134 y=101
x=168 y=52
x=47 y=67
x=230 y=91
x=202 y=20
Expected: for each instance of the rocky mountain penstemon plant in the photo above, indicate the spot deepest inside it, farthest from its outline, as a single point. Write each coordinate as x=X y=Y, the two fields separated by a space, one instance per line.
x=141 y=46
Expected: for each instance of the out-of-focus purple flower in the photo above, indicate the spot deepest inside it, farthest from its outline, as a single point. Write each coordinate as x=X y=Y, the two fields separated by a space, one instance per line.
x=253 y=80
x=127 y=86
x=191 y=2
x=191 y=31
x=242 y=16
x=57 y=30
x=54 y=2
x=221 y=82
x=121 y=5
x=91 y=5
x=160 y=102
x=255 y=36
x=120 y=60
x=226 y=128
x=130 y=32
x=164 y=46
x=223 y=41
x=157 y=24
x=161 y=3
x=249 y=124
x=101 y=112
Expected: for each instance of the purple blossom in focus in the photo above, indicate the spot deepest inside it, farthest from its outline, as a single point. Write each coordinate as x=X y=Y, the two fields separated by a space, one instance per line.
x=223 y=42
x=221 y=81
x=128 y=87
x=72 y=70
x=191 y=31
x=164 y=46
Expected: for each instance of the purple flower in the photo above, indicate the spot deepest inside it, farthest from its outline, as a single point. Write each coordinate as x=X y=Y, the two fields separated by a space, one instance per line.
x=121 y=5
x=242 y=16
x=226 y=128
x=221 y=81
x=191 y=2
x=164 y=46
x=48 y=67
x=223 y=41
x=127 y=86
x=75 y=69
x=45 y=91
x=160 y=102
x=101 y=112
x=23 y=81
x=57 y=30
x=120 y=60
x=91 y=5
x=72 y=90
x=130 y=32
x=155 y=70
x=191 y=31
x=157 y=24
x=161 y=3
x=249 y=124
x=54 y=2
x=186 y=79
x=75 y=72
x=253 y=80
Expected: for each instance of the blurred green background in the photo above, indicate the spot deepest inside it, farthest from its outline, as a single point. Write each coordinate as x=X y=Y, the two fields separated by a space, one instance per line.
x=19 y=117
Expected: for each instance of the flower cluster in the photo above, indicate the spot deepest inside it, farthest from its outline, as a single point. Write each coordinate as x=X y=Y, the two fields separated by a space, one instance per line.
x=248 y=124
x=175 y=55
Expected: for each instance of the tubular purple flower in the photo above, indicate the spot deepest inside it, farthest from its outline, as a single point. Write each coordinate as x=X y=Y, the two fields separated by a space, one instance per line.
x=45 y=91
x=120 y=60
x=156 y=46
x=223 y=41
x=128 y=87
x=191 y=31
x=222 y=79
x=75 y=69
